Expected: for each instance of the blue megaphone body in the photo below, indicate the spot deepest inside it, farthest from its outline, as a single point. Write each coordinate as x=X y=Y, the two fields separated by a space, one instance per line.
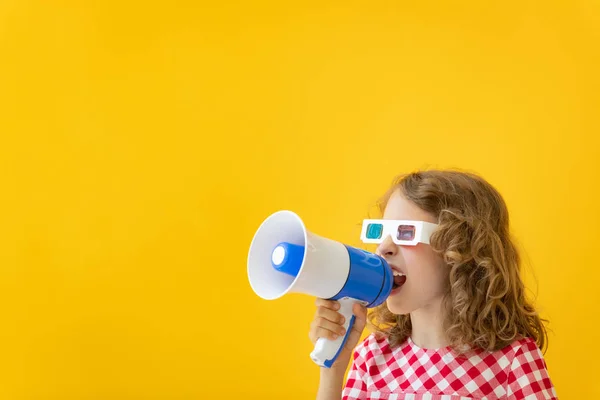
x=285 y=258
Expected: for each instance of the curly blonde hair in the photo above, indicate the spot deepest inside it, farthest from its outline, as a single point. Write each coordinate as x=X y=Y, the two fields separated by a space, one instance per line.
x=486 y=306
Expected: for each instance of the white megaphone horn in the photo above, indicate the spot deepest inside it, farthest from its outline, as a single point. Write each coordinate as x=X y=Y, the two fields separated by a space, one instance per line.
x=286 y=258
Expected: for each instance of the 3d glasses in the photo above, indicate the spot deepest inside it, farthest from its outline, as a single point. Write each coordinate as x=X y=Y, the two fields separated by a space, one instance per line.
x=402 y=232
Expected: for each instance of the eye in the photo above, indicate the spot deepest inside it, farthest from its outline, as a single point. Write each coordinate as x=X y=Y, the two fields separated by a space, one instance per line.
x=406 y=232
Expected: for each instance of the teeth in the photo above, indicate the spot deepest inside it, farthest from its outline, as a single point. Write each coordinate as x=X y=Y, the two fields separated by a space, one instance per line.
x=396 y=273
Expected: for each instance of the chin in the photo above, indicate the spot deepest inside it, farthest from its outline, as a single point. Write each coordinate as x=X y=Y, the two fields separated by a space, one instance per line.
x=399 y=307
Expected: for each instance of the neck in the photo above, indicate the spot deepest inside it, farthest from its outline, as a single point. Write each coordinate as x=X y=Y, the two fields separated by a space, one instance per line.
x=428 y=326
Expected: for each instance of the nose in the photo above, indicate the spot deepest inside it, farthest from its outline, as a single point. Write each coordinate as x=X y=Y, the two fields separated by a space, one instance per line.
x=387 y=248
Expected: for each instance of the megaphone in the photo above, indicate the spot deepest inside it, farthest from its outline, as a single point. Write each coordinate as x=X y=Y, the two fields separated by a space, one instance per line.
x=284 y=258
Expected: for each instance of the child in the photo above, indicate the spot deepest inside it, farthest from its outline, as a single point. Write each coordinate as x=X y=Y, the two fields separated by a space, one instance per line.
x=457 y=324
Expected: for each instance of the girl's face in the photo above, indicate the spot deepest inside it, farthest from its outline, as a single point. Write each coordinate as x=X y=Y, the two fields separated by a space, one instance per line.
x=426 y=273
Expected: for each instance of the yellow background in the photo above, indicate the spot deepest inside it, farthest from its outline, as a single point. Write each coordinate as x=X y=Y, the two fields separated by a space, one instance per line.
x=142 y=143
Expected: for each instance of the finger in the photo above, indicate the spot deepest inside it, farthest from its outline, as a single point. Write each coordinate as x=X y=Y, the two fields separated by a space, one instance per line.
x=319 y=332
x=330 y=315
x=331 y=304
x=323 y=323
x=360 y=317
x=326 y=333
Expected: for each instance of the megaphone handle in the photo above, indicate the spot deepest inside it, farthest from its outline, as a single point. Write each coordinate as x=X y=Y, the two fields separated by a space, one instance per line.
x=326 y=351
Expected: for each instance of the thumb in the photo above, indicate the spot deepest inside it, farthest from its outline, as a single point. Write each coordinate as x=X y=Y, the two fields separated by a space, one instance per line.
x=360 y=320
x=360 y=317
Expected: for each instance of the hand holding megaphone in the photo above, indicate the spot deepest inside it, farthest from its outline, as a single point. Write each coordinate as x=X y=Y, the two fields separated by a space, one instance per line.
x=286 y=258
x=328 y=323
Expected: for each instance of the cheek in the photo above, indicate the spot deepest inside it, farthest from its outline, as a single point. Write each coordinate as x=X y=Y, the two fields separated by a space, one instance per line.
x=423 y=265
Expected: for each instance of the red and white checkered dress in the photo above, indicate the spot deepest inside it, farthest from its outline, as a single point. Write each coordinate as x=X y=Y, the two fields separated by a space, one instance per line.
x=409 y=372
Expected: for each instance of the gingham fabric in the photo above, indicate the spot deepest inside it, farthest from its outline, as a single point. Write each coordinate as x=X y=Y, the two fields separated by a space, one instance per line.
x=408 y=372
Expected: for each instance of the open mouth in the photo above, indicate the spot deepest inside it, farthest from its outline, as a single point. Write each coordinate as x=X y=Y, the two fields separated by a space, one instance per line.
x=399 y=279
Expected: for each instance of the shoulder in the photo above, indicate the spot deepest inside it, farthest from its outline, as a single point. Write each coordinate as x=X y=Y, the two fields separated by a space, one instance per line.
x=525 y=347
x=374 y=349
x=528 y=374
x=369 y=347
x=366 y=347
x=525 y=355
x=372 y=344
x=519 y=351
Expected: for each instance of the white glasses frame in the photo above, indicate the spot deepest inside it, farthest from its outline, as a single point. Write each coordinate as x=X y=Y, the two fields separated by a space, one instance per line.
x=422 y=231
